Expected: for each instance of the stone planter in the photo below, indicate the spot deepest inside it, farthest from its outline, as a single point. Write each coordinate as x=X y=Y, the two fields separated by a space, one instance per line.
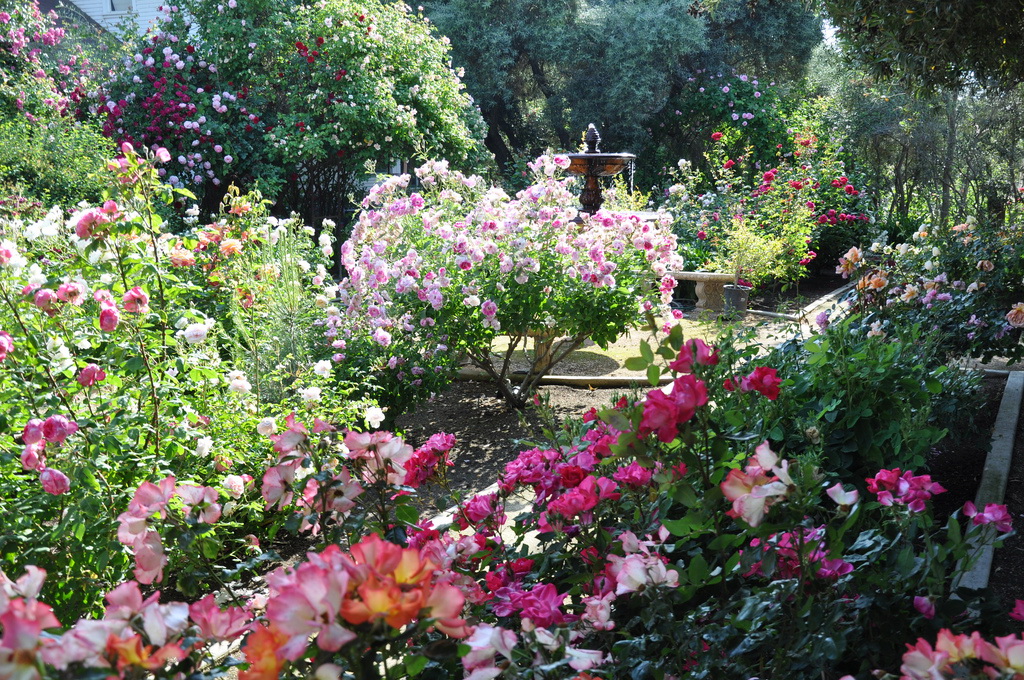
x=709 y=288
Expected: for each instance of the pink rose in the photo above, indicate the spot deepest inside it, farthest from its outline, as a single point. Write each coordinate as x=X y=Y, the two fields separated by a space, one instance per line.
x=764 y=380
x=90 y=375
x=54 y=481
x=58 y=428
x=71 y=292
x=109 y=318
x=33 y=432
x=6 y=344
x=136 y=301
x=32 y=457
x=45 y=299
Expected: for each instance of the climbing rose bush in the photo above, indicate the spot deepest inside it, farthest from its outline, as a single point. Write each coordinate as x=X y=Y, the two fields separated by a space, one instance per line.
x=206 y=83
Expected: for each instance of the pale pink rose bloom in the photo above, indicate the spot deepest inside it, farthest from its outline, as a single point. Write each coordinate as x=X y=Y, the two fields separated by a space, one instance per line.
x=54 y=481
x=149 y=558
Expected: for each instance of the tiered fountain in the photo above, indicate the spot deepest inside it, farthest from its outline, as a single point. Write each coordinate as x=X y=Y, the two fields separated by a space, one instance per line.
x=593 y=164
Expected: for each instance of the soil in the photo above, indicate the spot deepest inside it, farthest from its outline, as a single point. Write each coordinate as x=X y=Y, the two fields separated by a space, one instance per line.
x=487 y=432
x=957 y=461
x=788 y=300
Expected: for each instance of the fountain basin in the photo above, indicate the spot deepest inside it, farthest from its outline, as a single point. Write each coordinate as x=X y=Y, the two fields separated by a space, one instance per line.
x=598 y=164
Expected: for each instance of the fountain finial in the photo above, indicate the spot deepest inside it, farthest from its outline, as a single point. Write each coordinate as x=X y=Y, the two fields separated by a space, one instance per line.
x=592 y=139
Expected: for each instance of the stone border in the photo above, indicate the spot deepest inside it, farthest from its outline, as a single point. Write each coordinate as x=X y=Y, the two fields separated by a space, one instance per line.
x=992 y=487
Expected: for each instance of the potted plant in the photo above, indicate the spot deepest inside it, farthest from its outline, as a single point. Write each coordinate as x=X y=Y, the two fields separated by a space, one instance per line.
x=750 y=255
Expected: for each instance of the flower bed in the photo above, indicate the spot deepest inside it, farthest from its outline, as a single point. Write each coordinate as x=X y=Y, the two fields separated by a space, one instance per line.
x=175 y=405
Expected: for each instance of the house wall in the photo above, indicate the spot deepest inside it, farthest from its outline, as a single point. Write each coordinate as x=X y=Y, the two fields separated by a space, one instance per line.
x=102 y=11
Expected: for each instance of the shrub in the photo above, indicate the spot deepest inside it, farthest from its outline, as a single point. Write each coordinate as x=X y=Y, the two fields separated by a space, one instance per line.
x=215 y=83
x=115 y=346
x=963 y=283
x=778 y=214
x=57 y=164
x=661 y=538
x=452 y=268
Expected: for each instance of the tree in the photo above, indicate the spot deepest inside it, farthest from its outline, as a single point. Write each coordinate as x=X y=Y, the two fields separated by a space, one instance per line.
x=541 y=71
x=931 y=45
x=294 y=98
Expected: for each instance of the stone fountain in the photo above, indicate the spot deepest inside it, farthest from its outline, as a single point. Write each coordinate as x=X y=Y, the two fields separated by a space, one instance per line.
x=593 y=164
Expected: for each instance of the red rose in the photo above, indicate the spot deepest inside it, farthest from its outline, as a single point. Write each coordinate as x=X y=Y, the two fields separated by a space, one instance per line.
x=716 y=136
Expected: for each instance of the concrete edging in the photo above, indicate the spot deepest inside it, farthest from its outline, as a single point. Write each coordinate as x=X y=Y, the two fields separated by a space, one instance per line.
x=992 y=488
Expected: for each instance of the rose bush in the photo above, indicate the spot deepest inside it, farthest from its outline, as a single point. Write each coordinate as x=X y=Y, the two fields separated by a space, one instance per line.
x=132 y=356
x=451 y=267
x=763 y=223
x=215 y=83
x=662 y=536
x=963 y=282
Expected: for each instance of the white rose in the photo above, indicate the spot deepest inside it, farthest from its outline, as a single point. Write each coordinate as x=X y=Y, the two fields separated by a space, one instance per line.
x=310 y=394
x=267 y=427
x=374 y=416
x=195 y=333
x=322 y=368
x=204 y=446
x=240 y=386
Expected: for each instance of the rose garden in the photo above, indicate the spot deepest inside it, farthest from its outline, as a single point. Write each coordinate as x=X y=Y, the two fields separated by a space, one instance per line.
x=237 y=248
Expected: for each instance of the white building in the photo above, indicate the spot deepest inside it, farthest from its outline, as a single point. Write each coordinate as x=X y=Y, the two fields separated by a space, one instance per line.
x=107 y=14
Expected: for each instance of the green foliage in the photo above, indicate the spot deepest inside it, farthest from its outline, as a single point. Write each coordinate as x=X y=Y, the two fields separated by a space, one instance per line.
x=933 y=46
x=541 y=73
x=863 y=399
x=54 y=164
x=759 y=221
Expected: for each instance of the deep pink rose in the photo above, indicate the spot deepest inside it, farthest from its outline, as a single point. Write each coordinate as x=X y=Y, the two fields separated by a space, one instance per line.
x=58 y=428
x=90 y=375
x=764 y=380
x=109 y=318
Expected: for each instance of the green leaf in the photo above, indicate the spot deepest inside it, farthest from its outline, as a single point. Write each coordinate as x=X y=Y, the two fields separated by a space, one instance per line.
x=637 y=364
x=407 y=514
x=646 y=352
x=653 y=375
x=414 y=665
x=615 y=418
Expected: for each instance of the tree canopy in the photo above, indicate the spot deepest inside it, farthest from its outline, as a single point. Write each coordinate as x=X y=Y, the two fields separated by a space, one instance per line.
x=541 y=71
x=931 y=45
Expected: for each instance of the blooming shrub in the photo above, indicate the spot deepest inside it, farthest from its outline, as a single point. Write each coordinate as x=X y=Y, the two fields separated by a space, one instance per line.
x=125 y=417
x=451 y=267
x=963 y=283
x=45 y=154
x=761 y=224
x=206 y=83
x=651 y=545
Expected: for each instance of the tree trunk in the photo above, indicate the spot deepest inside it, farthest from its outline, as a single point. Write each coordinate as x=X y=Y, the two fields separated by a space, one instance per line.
x=947 y=168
